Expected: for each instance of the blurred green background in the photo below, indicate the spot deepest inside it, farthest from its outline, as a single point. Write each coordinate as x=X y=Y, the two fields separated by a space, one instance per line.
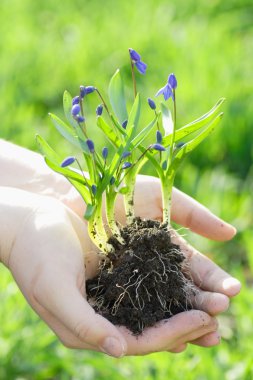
x=49 y=46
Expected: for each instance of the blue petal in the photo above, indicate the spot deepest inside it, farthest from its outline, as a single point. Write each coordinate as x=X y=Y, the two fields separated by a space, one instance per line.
x=141 y=66
x=172 y=81
x=167 y=92
x=161 y=91
x=134 y=55
x=68 y=161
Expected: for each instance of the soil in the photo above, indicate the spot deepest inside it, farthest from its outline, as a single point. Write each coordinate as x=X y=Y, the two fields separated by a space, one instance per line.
x=143 y=281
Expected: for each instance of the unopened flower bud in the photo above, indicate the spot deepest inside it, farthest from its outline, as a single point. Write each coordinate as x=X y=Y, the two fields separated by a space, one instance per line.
x=124 y=124
x=172 y=81
x=152 y=104
x=75 y=100
x=75 y=109
x=159 y=137
x=79 y=118
x=89 y=89
x=126 y=165
x=90 y=145
x=68 y=161
x=105 y=152
x=125 y=154
x=112 y=180
x=180 y=144
x=94 y=189
x=99 y=110
x=164 y=165
x=158 y=147
x=82 y=92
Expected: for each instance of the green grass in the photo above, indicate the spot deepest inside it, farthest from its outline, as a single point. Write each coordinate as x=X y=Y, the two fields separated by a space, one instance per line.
x=47 y=47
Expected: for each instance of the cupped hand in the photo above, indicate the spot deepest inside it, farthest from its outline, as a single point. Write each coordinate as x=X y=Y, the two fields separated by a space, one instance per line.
x=51 y=257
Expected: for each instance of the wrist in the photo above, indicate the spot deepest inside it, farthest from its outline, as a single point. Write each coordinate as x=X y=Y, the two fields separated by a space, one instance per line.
x=27 y=170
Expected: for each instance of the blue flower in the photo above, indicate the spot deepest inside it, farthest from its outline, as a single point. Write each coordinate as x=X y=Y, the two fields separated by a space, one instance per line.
x=152 y=104
x=125 y=155
x=126 y=165
x=112 y=180
x=75 y=110
x=158 y=147
x=168 y=90
x=75 y=100
x=105 y=152
x=94 y=189
x=90 y=145
x=79 y=118
x=136 y=59
x=159 y=137
x=99 y=110
x=124 y=124
x=68 y=161
x=172 y=80
x=86 y=90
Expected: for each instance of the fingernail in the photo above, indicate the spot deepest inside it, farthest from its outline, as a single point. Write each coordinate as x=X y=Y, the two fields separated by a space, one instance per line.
x=113 y=347
x=232 y=285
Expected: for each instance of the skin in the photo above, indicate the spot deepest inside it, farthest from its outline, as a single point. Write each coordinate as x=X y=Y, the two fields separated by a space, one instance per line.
x=45 y=245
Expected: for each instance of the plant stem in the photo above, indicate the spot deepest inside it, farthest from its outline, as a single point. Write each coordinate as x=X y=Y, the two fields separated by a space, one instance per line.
x=97 y=232
x=133 y=78
x=110 y=204
x=103 y=101
x=166 y=187
x=174 y=127
x=129 y=197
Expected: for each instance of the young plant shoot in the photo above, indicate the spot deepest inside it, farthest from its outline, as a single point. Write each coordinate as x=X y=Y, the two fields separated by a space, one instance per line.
x=141 y=278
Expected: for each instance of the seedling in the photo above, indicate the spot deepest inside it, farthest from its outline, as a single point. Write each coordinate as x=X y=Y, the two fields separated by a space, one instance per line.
x=141 y=278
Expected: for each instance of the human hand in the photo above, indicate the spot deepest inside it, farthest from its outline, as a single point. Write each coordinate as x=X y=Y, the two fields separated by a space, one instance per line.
x=215 y=286
x=212 y=297
x=46 y=246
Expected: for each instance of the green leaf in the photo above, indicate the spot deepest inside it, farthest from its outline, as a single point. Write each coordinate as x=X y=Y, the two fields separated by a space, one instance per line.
x=124 y=190
x=143 y=134
x=196 y=125
x=167 y=121
x=134 y=118
x=89 y=211
x=117 y=97
x=189 y=146
x=47 y=151
x=108 y=131
x=67 y=132
x=67 y=106
x=74 y=136
x=54 y=162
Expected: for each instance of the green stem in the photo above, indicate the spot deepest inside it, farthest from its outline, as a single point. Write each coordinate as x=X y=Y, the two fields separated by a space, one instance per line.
x=129 y=197
x=174 y=127
x=110 y=204
x=133 y=78
x=97 y=232
x=166 y=187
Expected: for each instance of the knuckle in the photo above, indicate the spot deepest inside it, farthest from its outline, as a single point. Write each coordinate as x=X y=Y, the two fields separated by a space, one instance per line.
x=82 y=331
x=67 y=343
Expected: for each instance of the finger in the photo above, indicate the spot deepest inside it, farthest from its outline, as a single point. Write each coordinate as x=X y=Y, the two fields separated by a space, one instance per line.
x=211 y=303
x=191 y=214
x=205 y=273
x=170 y=333
x=56 y=291
x=68 y=339
x=208 y=340
x=178 y=349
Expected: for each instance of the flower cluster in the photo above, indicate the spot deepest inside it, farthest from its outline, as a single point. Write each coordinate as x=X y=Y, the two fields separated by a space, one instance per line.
x=113 y=170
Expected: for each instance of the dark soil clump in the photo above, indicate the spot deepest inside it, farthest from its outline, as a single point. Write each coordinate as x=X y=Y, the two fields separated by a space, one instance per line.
x=142 y=282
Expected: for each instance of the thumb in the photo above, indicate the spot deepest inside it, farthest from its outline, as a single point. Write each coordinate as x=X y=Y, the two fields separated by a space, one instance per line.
x=58 y=294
